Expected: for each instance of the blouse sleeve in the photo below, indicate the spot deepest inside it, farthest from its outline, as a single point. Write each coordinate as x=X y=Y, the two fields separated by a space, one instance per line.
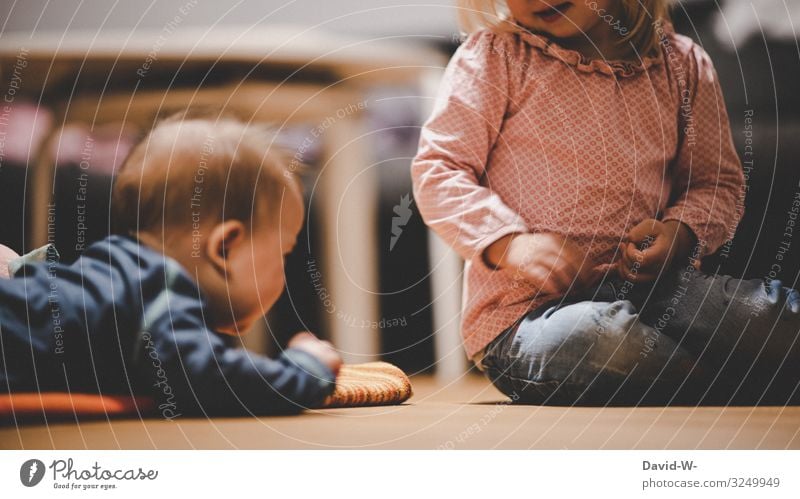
x=707 y=174
x=455 y=143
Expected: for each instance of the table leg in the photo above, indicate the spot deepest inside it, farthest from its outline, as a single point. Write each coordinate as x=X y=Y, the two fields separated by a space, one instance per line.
x=446 y=279
x=348 y=189
x=39 y=230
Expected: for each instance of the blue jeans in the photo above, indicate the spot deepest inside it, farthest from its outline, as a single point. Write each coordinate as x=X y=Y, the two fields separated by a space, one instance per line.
x=689 y=338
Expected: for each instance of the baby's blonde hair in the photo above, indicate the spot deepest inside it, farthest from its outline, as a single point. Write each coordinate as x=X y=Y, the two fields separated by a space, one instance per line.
x=200 y=163
x=638 y=17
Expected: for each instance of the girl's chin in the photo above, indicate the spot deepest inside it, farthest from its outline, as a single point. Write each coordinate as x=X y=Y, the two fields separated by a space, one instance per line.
x=556 y=30
x=560 y=30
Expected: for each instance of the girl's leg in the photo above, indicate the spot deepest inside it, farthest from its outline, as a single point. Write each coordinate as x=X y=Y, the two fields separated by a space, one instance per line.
x=591 y=352
x=745 y=333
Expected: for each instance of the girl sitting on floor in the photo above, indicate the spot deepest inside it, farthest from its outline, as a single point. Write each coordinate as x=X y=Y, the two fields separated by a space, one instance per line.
x=579 y=158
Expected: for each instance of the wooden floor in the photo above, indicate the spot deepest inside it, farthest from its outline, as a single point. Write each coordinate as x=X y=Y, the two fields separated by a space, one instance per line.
x=463 y=415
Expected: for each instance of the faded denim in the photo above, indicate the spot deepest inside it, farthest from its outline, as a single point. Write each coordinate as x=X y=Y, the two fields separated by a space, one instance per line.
x=691 y=338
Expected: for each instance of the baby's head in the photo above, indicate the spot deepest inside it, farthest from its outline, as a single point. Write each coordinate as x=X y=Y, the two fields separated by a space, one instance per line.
x=628 y=21
x=217 y=196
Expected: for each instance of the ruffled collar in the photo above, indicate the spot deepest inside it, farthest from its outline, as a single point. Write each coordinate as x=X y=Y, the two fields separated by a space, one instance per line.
x=618 y=68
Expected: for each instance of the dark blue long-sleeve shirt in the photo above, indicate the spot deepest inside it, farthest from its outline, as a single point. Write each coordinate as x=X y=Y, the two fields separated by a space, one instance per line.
x=126 y=319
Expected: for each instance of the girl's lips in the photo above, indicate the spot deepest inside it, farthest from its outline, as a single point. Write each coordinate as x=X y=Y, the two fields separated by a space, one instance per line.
x=553 y=13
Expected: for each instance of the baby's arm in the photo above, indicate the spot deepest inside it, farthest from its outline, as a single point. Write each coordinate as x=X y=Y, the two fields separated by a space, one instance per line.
x=707 y=174
x=454 y=147
x=187 y=365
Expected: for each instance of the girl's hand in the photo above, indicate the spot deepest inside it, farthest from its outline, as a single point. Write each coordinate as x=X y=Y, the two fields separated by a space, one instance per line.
x=651 y=246
x=548 y=261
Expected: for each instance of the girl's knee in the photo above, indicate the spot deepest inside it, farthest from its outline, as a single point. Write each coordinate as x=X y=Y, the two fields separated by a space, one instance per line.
x=591 y=323
x=581 y=340
x=781 y=298
x=587 y=352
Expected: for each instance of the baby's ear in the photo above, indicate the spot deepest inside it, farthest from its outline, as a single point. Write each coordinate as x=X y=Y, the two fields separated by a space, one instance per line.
x=224 y=238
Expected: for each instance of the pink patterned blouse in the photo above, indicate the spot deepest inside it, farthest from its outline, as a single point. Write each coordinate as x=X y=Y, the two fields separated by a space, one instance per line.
x=528 y=136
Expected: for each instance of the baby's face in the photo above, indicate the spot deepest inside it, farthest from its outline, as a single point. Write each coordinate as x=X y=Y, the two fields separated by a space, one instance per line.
x=256 y=277
x=562 y=19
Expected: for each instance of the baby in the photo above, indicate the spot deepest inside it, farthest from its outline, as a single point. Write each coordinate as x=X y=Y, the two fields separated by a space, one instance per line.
x=204 y=212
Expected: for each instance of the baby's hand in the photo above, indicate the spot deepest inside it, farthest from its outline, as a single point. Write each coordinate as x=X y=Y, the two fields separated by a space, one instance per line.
x=6 y=255
x=650 y=248
x=548 y=261
x=322 y=350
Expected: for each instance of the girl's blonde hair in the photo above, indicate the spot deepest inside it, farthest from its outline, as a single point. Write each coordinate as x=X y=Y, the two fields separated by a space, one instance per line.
x=639 y=17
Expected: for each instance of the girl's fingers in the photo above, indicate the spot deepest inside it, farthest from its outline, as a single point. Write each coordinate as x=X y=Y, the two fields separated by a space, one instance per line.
x=540 y=280
x=632 y=250
x=559 y=278
x=640 y=232
x=640 y=274
x=640 y=277
x=631 y=256
x=641 y=270
x=557 y=271
x=567 y=270
x=573 y=270
x=656 y=256
x=549 y=277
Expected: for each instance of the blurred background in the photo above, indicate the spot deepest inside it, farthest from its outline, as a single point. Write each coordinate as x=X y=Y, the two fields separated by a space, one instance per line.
x=347 y=84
